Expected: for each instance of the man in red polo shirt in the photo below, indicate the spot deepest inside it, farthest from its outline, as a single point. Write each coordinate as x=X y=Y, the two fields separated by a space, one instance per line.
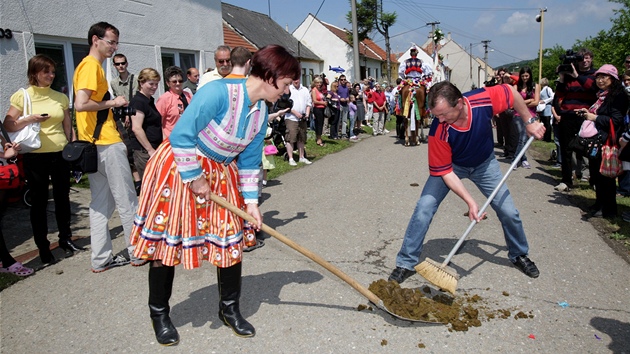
x=378 y=112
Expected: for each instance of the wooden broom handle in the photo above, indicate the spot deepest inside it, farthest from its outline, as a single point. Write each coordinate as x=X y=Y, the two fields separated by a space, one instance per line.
x=312 y=256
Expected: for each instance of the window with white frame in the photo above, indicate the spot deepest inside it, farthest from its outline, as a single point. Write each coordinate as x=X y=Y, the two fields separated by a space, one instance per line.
x=175 y=58
x=67 y=56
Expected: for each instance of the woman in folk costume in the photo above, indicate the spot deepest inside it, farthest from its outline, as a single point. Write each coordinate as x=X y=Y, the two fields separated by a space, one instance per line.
x=215 y=147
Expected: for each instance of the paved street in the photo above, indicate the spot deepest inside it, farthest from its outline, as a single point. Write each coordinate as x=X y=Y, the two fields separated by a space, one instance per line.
x=352 y=209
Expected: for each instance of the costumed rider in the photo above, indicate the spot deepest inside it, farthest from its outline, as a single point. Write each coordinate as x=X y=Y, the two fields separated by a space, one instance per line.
x=416 y=70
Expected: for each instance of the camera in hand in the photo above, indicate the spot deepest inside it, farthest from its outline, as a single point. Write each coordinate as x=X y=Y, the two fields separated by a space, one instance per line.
x=284 y=102
x=121 y=112
x=570 y=57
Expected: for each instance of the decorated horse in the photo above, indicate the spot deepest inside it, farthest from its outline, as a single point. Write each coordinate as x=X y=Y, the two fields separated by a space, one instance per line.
x=411 y=104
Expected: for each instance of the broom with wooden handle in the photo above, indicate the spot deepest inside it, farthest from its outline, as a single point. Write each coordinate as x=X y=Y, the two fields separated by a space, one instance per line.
x=443 y=276
x=312 y=256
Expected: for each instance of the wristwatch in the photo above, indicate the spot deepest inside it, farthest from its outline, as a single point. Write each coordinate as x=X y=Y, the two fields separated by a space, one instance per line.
x=531 y=120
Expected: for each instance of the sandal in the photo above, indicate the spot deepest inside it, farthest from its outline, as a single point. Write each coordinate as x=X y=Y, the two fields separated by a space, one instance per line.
x=18 y=269
x=321 y=144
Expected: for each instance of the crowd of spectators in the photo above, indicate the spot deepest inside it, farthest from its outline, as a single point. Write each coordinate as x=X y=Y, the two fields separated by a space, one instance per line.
x=588 y=103
x=336 y=107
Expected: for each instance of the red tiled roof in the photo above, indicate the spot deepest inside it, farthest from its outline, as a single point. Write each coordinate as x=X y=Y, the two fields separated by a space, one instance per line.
x=366 y=47
x=233 y=39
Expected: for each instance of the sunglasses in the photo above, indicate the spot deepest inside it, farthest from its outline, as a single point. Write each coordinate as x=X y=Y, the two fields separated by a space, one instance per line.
x=176 y=81
x=223 y=61
x=121 y=63
x=627 y=61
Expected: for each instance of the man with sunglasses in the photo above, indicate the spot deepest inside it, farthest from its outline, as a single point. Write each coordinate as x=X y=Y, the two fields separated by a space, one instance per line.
x=120 y=85
x=110 y=186
x=223 y=66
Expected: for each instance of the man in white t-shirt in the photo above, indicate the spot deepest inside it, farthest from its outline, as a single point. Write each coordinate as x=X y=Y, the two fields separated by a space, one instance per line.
x=296 y=122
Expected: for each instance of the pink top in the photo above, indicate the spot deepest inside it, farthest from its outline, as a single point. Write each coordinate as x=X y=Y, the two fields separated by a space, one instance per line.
x=171 y=108
x=320 y=97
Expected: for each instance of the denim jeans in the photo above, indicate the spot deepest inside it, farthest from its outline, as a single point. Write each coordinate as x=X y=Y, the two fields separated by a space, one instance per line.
x=486 y=177
x=343 y=116
x=352 y=122
x=522 y=136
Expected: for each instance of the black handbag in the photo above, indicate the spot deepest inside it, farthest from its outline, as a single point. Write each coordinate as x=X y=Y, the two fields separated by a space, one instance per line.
x=82 y=155
x=589 y=147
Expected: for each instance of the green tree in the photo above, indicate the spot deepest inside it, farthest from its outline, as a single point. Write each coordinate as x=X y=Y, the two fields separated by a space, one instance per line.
x=612 y=46
x=608 y=47
x=551 y=60
x=370 y=18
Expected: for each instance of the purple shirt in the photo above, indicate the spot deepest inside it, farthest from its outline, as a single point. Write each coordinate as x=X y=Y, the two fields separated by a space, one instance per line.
x=343 y=92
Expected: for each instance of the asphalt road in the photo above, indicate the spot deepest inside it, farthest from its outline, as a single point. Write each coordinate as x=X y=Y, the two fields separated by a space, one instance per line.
x=351 y=208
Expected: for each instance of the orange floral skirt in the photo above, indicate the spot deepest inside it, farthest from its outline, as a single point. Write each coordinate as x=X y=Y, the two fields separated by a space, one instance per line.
x=174 y=226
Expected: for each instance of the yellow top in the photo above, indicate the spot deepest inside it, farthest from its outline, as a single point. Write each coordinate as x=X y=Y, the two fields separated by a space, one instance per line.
x=91 y=76
x=46 y=100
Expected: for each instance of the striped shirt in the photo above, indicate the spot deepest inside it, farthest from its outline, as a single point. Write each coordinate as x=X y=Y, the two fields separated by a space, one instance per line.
x=218 y=125
x=471 y=145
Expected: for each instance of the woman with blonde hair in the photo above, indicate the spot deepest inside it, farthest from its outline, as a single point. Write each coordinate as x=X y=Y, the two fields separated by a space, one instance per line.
x=146 y=124
x=319 y=104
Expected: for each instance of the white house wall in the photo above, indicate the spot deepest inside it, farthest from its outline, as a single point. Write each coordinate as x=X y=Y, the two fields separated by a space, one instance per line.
x=333 y=51
x=146 y=30
x=459 y=62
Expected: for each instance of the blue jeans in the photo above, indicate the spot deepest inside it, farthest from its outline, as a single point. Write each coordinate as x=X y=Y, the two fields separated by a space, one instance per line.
x=353 y=119
x=522 y=136
x=486 y=176
x=343 y=116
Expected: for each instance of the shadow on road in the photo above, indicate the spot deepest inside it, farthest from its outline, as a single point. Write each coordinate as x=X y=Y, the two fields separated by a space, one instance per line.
x=619 y=333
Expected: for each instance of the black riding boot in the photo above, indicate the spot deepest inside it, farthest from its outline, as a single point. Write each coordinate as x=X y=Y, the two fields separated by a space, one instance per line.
x=160 y=288
x=229 y=280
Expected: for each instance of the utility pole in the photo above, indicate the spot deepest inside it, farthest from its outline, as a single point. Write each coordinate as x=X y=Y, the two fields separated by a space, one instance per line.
x=485 y=58
x=470 y=56
x=435 y=51
x=541 y=18
x=433 y=24
x=355 y=43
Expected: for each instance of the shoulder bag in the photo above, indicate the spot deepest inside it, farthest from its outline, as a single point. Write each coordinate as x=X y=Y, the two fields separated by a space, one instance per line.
x=587 y=141
x=81 y=154
x=28 y=136
x=611 y=165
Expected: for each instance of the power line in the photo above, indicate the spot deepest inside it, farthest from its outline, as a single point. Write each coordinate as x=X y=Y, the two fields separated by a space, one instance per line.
x=313 y=19
x=421 y=5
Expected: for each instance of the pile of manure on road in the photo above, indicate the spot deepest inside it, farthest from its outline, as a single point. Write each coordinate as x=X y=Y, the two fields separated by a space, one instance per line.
x=461 y=312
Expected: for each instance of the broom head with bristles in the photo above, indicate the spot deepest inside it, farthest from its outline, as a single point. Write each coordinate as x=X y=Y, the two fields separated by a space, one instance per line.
x=442 y=276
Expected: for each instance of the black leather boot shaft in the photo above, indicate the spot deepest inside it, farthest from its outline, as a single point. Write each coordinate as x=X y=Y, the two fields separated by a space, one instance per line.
x=160 y=288
x=230 y=291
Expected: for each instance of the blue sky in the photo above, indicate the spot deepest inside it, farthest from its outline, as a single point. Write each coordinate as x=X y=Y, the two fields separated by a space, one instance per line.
x=509 y=25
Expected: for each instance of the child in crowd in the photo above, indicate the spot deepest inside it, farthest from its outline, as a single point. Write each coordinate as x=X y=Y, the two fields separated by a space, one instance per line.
x=268 y=159
x=352 y=112
x=7 y=263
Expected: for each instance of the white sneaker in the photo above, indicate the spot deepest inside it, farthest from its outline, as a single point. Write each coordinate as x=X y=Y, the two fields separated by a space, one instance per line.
x=561 y=187
x=292 y=162
x=385 y=131
x=304 y=160
x=526 y=165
